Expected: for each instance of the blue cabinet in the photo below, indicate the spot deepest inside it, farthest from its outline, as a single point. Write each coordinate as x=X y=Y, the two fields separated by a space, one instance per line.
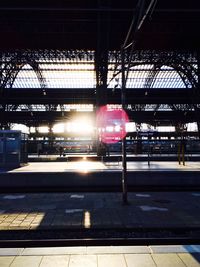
x=13 y=150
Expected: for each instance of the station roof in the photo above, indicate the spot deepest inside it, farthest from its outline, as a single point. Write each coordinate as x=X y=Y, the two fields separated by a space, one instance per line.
x=79 y=24
x=47 y=41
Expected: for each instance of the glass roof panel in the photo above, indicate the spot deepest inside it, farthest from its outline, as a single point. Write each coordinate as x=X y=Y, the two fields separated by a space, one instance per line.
x=167 y=77
x=56 y=69
x=146 y=76
x=26 y=78
x=76 y=69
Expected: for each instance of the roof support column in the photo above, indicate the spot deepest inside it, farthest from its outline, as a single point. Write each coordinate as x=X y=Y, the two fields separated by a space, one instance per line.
x=101 y=60
x=101 y=53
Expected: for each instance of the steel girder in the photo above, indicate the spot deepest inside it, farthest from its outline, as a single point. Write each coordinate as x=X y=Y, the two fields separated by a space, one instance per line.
x=49 y=55
x=58 y=96
x=45 y=117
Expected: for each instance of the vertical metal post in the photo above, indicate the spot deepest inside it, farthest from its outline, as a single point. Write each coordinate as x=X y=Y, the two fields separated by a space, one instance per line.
x=198 y=90
x=148 y=150
x=123 y=100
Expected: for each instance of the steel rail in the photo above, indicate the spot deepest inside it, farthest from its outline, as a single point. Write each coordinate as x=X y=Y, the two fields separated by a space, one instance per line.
x=161 y=236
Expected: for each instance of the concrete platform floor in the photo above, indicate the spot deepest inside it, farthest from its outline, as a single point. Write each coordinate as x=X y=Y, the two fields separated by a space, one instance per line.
x=157 y=210
x=128 y=256
x=90 y=210
x=86 y=166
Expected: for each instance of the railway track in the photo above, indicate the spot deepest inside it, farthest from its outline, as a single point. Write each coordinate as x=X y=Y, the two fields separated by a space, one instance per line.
x=99 y=237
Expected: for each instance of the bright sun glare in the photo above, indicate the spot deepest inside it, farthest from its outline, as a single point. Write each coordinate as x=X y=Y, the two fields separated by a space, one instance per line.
x=79 y=125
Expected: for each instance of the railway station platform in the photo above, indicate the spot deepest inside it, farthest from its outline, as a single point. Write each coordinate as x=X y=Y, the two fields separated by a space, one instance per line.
x=127 y=256
x=113 y=157
x=51 y=215
x=89 y=175
x=150 y=218
x=93 y=211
